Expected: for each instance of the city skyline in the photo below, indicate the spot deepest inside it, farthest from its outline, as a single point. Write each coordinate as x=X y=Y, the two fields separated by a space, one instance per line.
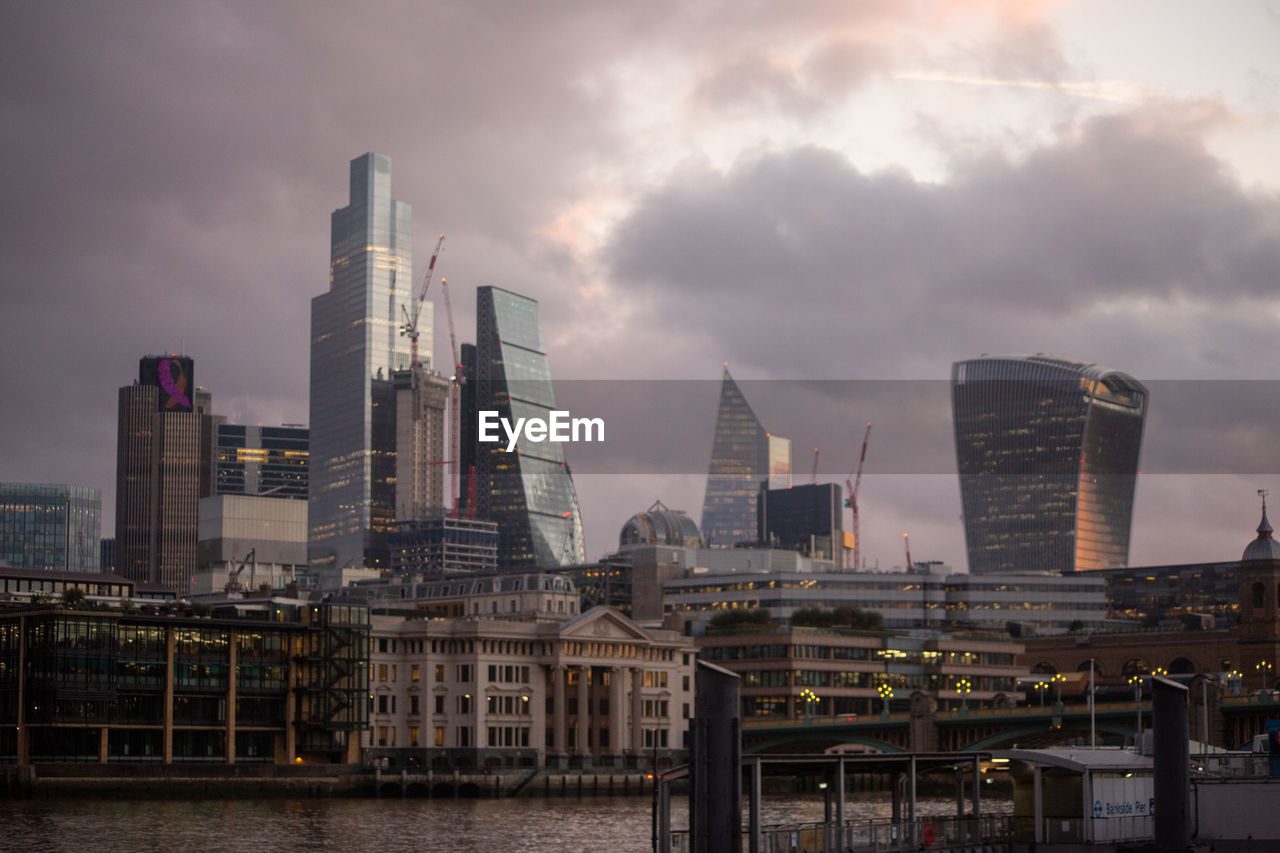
x=829 y=191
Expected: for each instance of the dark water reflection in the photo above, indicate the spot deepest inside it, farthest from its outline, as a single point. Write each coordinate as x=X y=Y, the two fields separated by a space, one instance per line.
x=619 y=824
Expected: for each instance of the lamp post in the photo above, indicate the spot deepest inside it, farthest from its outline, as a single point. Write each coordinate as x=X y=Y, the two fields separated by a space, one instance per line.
x=964 y=687
x=1264 y=671
x=1233 y=680
x=1136 y=681
x=886 y=693
x=810 y=699
x=1058 y=679
x=1042 y=686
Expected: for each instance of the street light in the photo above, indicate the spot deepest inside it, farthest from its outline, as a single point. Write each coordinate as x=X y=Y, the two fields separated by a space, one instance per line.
x=1233 y=680
x=1058 y=679
x=886 y=693
x=964 y=687
x=1042 y=686
x=810 y=699
x=1264 y=670
x=1136 y=681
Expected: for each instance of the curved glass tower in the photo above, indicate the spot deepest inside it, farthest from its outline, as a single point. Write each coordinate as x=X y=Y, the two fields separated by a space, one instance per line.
x=530 y=492
x=1047 y=451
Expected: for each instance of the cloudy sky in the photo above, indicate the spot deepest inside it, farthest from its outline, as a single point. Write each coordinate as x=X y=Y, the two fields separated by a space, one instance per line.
x=827 y=190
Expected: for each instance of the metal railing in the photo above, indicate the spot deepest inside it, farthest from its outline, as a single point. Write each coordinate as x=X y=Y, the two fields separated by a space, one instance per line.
x=880 y=835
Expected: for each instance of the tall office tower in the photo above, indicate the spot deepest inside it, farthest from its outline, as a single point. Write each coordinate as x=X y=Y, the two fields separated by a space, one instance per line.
x=51 y=526
x=258 y=460
x=743 y=457
x=158 y=466
x=355 y=352
x=808 y=519
x=529 y=493
x=1047 y=451
x=420 y=455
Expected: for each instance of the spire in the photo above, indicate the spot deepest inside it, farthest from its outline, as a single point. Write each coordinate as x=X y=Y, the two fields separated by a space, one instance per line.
x=1264 y=526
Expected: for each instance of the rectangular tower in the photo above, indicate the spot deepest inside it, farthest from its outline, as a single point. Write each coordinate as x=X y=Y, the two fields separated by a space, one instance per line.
x=355 y=352
x=261 y=460
x=51 y=526
x=158 y=467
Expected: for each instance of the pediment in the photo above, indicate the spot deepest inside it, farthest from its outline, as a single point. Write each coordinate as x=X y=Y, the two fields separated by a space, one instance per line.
x=602 y=623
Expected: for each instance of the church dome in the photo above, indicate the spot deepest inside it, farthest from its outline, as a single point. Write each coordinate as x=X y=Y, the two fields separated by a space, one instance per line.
x=1264 y=547
x=660 y=526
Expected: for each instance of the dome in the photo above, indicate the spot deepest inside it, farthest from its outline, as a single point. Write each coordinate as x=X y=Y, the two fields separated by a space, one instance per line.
x=660 y=526
x=1264 y=547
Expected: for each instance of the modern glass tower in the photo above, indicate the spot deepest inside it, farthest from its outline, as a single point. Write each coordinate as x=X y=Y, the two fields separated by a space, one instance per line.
x=355 y=352
x=1047 y=451
x=51 y=526
x=529 y=492
x=258 y=460
x=744 y=456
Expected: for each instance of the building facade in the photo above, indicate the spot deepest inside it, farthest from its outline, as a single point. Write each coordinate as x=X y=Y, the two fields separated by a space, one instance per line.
x=445 y=546
x=530 y=492
x=51 y=526
x=250 y=541
x=1047 y=451
x=594 y=691
x=808 y=519
x=112 y=686
x=161 y=472
x=744 y=458
x=792 y=673
x=421 y=463
x=258 y=460
x=356 y=349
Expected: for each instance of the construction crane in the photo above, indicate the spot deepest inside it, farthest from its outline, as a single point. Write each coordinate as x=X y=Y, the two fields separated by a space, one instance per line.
x=813 y=478
x=851 y=485
x=455 y=423
x=409 y=327
x=906 y=543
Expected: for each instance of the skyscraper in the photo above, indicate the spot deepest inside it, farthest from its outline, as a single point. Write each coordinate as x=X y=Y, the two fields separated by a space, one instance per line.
x=51 y=526
x=258 y=460
x=420 y=475
x=355 y=352
x=744 y=455
x=1047 y=451
x=529 y=493
x=159 y=440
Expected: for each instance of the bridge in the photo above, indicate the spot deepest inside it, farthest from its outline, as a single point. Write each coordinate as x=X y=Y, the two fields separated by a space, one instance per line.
x=1231 y=723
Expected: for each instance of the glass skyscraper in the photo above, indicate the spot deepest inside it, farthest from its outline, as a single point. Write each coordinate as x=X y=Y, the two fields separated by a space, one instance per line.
x=50 y=526
x=1047 y=451
x=356 y=349
x=529 y=493
x=744 y=457
x=258 y=460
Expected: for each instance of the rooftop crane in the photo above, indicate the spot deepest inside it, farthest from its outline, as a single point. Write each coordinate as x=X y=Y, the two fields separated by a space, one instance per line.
x=852 y=501
x=455 y=423
x=906 y=543
x=410 y=325
x=813 y=478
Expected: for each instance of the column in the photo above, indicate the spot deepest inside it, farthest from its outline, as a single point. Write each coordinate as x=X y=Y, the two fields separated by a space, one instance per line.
x=561 y=710
x=233 y=659
x=637 y=710
x=584 y=695
x=24 y=735
x=617 y=717
x=168 y=695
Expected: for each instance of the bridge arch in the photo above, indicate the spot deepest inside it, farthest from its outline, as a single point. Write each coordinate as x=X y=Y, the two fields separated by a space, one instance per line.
x=782 y=739
x=1009 y=737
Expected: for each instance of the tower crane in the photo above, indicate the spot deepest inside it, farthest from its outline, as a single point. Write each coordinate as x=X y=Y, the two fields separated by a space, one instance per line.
x=852 y=485
x=455 y=422
x=906 y=543
x=409 y=327
x=813 y=478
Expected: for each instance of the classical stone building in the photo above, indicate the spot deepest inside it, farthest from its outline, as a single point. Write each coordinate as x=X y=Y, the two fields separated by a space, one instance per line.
x=491 y=691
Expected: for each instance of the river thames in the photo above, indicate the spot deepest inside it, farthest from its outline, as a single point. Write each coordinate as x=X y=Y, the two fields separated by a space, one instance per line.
x=618 y=825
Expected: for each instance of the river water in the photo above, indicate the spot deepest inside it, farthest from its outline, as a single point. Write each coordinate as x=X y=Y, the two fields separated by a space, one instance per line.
x=614 y=824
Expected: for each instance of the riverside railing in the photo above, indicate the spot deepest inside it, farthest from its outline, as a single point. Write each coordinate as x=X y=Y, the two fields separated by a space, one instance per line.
x=877 y=835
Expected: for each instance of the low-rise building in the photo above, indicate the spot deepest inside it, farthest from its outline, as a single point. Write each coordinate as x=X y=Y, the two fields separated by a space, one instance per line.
x=791 y=672
x=110 y=686
x=592 y=691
